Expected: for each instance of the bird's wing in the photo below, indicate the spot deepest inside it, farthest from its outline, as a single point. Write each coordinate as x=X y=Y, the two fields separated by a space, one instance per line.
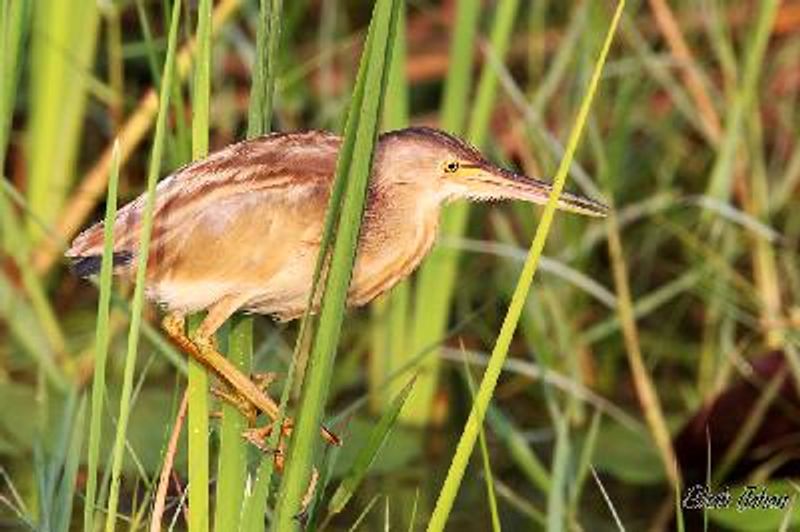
x=264 y=174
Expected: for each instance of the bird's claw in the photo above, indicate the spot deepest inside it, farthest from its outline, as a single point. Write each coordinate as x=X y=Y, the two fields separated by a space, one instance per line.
x=258 y=436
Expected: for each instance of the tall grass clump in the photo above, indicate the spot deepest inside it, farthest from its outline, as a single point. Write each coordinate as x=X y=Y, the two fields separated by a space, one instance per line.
x=352 y=177
x=484 y=395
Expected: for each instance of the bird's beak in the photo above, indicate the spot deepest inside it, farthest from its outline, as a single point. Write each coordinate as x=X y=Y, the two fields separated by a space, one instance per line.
x=487 y=182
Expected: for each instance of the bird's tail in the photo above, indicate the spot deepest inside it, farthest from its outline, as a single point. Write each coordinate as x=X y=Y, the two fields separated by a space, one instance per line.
x=87 y=265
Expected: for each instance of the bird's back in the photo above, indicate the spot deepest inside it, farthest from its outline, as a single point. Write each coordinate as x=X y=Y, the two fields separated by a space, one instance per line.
x=288 y=164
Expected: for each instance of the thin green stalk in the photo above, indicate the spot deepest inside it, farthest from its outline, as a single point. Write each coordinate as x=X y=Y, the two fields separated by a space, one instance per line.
x=259 y=120
x=519 y=449
x=116 y=63
x=198 y=431
x=138 y=295
x=466 y=444
x=368 y=453
x=720 y=183
x=763 y=256
x=680 y=526
x=197 y=421
x=234 y=508
x=65 y=497
x=548 y=86
x=487 y=465
x=149 y=45
x=265 y=68
x=537 y=53
x=255 y=502
x=556 y=511
x=232 y=465
x=459 y=74
x=390 y=314
x=101 y=344
x=584 y=462
x=487 y=85
x=354 y=164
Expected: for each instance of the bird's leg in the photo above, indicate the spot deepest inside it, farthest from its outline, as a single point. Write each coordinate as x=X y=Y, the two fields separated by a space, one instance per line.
x=245 y=407
x=201 y=348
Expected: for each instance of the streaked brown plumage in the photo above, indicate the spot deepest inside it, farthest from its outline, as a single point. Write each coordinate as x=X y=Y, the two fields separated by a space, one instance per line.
x=240 y=230
x=244 y=224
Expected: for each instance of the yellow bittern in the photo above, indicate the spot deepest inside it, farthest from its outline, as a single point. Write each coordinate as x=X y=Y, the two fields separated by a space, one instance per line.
x=241 y=229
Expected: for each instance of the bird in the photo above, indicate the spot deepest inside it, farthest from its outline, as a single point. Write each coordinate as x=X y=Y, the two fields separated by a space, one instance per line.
x=240 y=230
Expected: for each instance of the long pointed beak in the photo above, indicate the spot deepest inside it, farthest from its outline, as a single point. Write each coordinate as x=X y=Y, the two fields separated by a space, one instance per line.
x=486 y=183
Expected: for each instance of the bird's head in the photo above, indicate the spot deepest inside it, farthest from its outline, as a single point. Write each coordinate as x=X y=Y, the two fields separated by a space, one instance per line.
x=449 y=169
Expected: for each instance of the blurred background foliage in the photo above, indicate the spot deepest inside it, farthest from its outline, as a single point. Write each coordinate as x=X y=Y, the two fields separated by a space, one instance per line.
x=678 y=313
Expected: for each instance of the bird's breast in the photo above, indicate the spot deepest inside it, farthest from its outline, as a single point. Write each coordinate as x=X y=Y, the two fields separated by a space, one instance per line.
x=390 y=251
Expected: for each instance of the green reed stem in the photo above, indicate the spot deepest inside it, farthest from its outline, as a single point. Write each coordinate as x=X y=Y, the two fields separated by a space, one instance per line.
x=390 y=314
x=197 y=422
x=138 y=295
x=101 y=344
x=354 y=165
x=235 y=509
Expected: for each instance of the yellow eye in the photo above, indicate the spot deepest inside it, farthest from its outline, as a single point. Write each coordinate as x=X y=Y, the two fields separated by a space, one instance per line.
x=451 y=167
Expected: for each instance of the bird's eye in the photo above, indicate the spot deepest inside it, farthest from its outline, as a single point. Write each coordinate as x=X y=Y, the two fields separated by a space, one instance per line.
x=451 y=167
